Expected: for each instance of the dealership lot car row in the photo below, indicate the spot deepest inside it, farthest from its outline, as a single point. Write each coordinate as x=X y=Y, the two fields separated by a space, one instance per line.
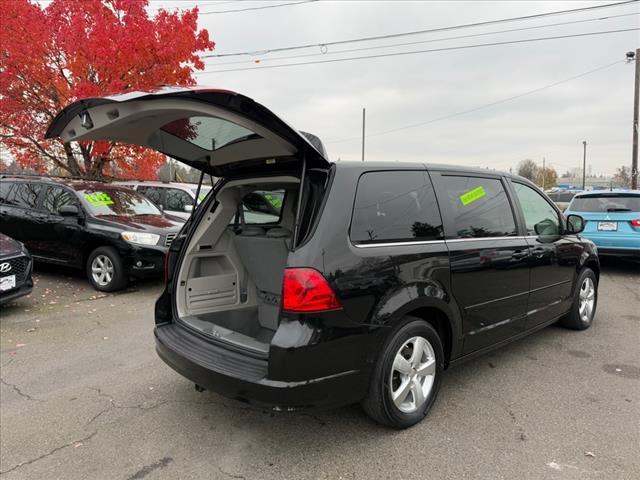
x=305 y=303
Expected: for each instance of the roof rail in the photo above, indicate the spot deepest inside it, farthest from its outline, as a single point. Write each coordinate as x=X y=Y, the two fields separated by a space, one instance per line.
x=50 y=177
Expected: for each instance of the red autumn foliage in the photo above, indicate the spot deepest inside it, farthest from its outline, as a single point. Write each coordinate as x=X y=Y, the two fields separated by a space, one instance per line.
x=50 y=57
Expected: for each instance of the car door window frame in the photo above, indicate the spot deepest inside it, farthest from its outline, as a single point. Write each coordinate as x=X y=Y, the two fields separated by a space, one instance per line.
x=522 y=223
x=448 y=215
x=71 y=192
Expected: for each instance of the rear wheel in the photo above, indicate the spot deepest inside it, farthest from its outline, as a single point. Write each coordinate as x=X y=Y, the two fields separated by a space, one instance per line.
x=407 y=376
x=584 y=303
x=105 y=270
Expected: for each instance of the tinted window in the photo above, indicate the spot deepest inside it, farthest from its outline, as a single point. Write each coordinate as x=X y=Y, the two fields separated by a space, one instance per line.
x=57 y=197
x=606 y=203
x=395 y=206
x=24 y=195
x=480 y=207
x=540 y=217
x=209 y=133
x=152 y=193
x=262 y=206
x=176 y=199
x=5 y=188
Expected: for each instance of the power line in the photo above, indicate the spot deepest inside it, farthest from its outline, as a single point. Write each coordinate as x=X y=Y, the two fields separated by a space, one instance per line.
x=416 y=32
x=442 y=39
x=487 y=105
x=263 y=7
x=414 y=52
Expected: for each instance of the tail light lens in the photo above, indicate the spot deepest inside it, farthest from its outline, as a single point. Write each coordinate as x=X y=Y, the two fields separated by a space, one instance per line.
x=635 y=223
x=305 y=290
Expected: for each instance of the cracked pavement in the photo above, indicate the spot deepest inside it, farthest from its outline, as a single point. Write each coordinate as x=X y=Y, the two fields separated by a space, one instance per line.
x=84 y=395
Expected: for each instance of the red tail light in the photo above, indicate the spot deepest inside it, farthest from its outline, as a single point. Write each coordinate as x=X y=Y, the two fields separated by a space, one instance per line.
x=305 y=290
x=635 y=223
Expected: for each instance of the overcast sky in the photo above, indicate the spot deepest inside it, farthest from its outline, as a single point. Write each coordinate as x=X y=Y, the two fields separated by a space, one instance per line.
x=327 y=99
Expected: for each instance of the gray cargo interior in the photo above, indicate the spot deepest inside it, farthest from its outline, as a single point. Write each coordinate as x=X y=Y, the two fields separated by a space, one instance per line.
x=229 y=283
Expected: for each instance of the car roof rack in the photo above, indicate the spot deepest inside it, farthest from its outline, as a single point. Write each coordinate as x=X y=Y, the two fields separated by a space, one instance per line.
x=51 y=177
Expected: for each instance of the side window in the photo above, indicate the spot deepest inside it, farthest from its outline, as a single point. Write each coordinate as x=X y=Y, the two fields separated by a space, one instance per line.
x=5 y=190
x=152 y=193
x=262 y=207
x=177 y=199
x=24 y=195
x=395 y=206
x=540 y=217
x=480 y=207
x=57 y=197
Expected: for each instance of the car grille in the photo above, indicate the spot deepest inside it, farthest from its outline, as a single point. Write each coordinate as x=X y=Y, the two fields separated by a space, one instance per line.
x=169 y=239
x=19 y=268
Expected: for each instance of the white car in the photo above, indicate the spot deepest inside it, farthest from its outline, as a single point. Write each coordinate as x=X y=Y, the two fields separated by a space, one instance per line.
x=174 y=198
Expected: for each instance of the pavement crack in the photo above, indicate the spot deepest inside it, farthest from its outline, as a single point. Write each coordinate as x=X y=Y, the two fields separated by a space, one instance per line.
x=147 y=469
x=48 y=454
x=113 y=405
x=230 y=475
x=19 y=391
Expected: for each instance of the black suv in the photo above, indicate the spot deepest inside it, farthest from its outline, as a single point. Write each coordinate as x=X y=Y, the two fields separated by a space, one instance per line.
x=366 y=280
x=112 y=232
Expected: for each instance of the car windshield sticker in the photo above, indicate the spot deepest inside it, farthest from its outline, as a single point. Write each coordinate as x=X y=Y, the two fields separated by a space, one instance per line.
x=472 y=195
x=98 y=199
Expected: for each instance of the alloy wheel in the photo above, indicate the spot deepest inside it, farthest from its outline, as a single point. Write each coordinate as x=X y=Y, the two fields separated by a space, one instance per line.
x=102 y=270
x=413 y=374
x=587 y=299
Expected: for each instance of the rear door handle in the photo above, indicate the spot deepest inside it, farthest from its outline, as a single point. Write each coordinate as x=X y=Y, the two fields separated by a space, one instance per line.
x=538 y=252
x=520 y=254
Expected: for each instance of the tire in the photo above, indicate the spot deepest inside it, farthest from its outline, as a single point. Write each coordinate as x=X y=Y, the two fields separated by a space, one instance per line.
x=108 y=260
x=576 y=319
x=387 y=379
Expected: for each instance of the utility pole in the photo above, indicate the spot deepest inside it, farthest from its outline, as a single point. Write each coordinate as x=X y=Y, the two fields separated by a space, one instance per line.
x=636 y=100
x=584 y=164
x=544 y=172
x=364 y=111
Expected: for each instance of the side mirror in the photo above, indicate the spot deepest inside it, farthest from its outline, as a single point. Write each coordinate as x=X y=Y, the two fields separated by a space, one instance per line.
x=68 y=211
x=546 y=228
x=575 y=224
x=188 y=208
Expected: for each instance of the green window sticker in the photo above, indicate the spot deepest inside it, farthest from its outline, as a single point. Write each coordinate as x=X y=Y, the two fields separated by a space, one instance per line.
x=472 y=195
x=98 y=199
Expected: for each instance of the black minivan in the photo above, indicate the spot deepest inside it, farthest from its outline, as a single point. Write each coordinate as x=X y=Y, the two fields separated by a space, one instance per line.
x=111 y=232
x=371 y=280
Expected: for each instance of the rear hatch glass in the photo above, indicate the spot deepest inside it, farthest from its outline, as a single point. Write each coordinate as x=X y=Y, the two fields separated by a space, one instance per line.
x=606 y=203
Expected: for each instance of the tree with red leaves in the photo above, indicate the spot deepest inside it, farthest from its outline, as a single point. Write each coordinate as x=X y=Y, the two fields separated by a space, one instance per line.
x=50 y=57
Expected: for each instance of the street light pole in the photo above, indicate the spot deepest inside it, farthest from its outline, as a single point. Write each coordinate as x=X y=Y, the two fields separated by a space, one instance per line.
x=364 y=110
x=636 y=101
x=584 y=164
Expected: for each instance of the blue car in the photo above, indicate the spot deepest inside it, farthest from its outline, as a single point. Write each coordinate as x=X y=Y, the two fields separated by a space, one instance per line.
x=612 y=220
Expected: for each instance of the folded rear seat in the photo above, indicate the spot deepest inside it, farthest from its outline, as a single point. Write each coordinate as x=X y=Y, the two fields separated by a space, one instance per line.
x=264 y=256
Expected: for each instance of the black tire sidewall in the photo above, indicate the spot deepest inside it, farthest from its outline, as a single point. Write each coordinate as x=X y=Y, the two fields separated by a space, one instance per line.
x=119 y=279
x=412 y=329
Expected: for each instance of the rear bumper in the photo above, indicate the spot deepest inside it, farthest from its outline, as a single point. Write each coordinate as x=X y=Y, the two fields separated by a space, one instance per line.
x=619 y=252
x=244 y=378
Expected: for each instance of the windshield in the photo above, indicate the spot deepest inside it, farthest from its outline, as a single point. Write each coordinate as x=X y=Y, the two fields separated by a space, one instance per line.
x=606 y=203
x=117 y=202
x=203 y=192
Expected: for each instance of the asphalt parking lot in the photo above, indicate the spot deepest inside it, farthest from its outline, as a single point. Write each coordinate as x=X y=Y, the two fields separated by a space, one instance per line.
x=84 y=395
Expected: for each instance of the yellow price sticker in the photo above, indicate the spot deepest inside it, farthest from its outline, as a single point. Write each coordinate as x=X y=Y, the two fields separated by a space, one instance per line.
x=472 y=195
x=98 y=199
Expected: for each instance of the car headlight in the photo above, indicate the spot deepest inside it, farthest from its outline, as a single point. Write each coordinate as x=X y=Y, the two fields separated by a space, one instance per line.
x=140 y=238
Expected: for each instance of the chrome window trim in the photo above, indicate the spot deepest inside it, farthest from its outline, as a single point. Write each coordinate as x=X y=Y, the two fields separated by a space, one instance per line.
x=397 y=244
x=434 y=242
x=475 y=239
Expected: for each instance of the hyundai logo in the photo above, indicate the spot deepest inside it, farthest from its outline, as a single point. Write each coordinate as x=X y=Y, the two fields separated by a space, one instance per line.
x=5 y=267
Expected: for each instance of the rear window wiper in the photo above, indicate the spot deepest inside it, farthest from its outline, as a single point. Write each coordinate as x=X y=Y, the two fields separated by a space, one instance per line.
x=618 y=209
